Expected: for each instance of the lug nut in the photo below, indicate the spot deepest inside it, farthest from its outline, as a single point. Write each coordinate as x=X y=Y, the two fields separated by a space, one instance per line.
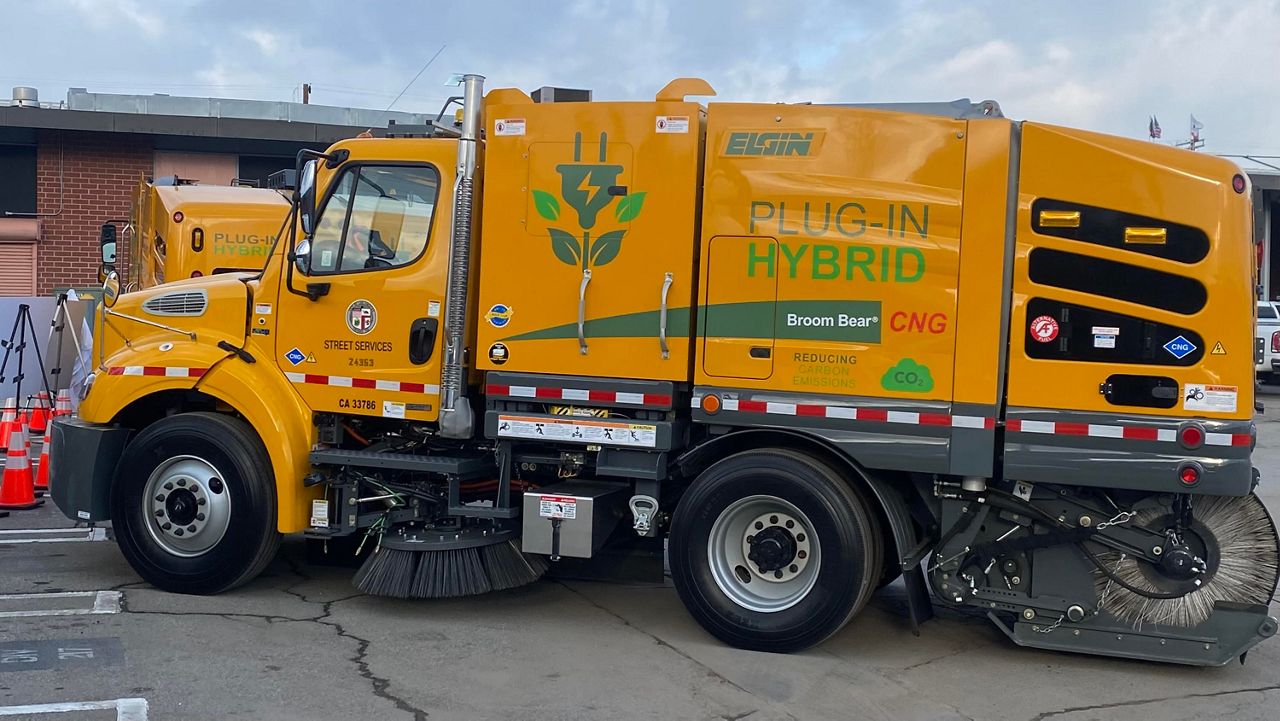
x=182 y=482
x=751 y=539
x=199 y=516
x=177 y=531
x=160 y=497
x=801 y=554
x=160 y=513
x=799 y=538
x=777 y=574
x=191 y=528
x=199 y=501
x=759 y=526
x=168 y=486
x=790 y=523
x=166 y=526
x=794 y=568
x=773 y=520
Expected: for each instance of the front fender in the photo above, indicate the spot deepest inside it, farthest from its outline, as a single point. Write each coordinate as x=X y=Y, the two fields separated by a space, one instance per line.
x=259 y=392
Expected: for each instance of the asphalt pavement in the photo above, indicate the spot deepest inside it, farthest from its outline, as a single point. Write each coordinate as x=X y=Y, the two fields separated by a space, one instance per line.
x=301 y=643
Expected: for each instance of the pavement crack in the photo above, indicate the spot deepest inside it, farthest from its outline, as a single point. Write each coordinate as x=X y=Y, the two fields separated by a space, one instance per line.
x=1140 y=702
x=711 y=671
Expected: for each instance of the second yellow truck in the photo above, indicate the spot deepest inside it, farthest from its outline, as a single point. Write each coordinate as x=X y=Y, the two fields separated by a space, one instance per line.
x=811 y=347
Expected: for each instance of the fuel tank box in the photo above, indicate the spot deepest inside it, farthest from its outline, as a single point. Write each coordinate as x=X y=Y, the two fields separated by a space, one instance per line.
x=589 y=237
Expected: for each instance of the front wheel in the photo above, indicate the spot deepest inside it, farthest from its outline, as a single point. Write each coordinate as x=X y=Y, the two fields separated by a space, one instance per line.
x=194 y=504
x=772 y=550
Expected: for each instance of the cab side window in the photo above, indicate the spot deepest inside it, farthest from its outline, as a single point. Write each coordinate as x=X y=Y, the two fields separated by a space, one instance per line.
x=378 y=217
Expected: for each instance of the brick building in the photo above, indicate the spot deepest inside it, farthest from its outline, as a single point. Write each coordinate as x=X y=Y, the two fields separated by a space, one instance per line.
x=67 y=167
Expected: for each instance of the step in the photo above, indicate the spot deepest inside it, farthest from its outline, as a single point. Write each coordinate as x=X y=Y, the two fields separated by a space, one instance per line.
x=462 y=467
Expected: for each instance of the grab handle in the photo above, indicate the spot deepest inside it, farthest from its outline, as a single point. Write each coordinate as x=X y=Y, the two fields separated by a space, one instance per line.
x=662 y=317
x=582 y=310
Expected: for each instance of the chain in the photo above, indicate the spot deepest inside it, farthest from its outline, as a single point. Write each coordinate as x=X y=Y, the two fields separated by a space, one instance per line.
x=945 y=561
x=1051 y=627
x=1119 y=518
x=1102 y=601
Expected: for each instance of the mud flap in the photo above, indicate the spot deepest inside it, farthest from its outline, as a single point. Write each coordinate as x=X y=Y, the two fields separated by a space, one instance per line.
x=82 y=466
x=1228 y=633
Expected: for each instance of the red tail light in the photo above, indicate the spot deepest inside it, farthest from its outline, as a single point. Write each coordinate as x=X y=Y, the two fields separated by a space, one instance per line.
x=1275 y=342
x=196 y=274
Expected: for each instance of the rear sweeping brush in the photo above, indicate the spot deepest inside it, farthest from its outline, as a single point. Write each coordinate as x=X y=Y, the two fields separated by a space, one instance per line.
x=1237 y=540
x=447 y=564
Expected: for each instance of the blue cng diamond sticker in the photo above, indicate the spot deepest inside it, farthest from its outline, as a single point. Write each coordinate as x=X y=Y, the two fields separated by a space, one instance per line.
x=295 y=356
x=1180 y=347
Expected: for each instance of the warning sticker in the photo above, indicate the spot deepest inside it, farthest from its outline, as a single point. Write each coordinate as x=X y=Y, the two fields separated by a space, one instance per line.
x=262 y=308
x=320 y=514
x=508 y=126
x=672 y=124
x=391 y=409
x=1218 y=349
x=1214 y=399
x=577 y=430
x=558 y=507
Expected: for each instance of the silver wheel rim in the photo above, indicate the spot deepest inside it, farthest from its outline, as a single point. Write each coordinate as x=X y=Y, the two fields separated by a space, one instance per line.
x=188 y=506
x=754 y=585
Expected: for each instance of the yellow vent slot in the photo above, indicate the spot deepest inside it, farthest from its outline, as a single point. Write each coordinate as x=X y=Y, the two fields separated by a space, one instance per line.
x=1146 y=236
x=1059 y=219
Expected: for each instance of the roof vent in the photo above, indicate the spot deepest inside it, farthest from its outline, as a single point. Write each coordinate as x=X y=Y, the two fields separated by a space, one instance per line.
x=25 y=97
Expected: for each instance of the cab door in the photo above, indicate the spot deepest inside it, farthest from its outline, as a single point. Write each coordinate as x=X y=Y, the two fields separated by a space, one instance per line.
x=371 y=343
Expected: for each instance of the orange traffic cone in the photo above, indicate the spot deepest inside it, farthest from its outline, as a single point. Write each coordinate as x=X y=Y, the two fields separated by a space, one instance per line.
x=8 y=420
x=40 y=412
x=63 y=408
x=42 y=467
x=17 y=489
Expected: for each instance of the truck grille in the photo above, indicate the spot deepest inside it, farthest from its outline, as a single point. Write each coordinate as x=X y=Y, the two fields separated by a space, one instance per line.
x=185 y=303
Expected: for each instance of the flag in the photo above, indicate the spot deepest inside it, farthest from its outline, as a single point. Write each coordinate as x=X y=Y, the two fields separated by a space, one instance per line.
x=1196 y=127
x=1153 y=127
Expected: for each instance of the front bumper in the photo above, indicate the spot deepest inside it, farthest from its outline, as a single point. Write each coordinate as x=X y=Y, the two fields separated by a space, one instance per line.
x=82 y=464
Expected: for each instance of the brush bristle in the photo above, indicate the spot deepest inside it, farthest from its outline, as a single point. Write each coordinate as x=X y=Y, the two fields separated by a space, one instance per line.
x=1249 y=561
x=387 y=572
x=448 y=573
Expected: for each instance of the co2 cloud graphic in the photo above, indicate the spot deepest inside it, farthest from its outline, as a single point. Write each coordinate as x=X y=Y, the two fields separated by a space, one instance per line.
x=907 y=376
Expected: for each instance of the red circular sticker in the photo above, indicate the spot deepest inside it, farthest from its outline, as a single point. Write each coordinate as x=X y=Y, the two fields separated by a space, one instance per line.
x=1044 y=328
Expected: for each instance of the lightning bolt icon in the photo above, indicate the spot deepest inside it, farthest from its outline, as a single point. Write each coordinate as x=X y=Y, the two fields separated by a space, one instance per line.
x=585 y=184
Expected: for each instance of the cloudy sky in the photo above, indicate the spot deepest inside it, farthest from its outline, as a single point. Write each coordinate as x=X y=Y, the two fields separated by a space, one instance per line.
x=1101 y=65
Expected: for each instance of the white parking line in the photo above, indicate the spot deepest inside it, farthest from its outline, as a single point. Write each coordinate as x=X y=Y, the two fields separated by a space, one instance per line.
x=103 y=602
x=127 y=709
x=85 y=534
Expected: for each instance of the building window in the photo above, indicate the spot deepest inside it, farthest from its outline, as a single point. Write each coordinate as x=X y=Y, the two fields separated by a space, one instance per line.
x=17 y=179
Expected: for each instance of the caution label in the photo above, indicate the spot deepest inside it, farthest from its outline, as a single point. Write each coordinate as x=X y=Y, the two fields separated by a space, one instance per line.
x=565 y=507
x=671 y=124
x=579 y=430
x=1214 y=399
x=508 y=126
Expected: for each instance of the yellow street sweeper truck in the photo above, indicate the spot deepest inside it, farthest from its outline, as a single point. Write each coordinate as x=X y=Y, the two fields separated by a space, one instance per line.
x=811 y=347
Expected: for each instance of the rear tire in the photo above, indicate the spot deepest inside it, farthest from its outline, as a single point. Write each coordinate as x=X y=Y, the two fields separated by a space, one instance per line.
x=203 y=471
x=781 y=600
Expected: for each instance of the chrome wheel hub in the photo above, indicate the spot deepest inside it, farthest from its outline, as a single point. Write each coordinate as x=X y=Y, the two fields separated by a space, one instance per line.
x=190 y=506
x=762 y=553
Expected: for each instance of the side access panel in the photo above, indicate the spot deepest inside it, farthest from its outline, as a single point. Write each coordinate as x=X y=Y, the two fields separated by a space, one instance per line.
x=845 y=223
x=1132 y=315
x=589 y=232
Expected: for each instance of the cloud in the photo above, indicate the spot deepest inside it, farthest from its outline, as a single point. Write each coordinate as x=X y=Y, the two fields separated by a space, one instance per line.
x=1096 y=64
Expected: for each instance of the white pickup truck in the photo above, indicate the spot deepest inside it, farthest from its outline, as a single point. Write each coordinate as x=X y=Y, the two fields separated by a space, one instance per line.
x=1267 y=336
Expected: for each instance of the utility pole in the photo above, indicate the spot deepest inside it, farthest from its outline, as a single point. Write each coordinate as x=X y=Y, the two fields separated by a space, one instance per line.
x=306 y=93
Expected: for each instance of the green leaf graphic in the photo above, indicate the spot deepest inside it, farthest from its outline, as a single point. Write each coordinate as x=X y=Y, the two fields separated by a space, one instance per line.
x=606 y=247
x=546 y=204
x=565 y=246
x=629 y=207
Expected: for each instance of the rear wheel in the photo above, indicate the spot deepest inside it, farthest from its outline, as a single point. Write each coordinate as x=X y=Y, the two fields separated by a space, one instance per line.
x=194 y=506
x=773 y=551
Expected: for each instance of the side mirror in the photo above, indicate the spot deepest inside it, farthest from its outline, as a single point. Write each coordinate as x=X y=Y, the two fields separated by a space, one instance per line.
x=107 y=243
x=111 y=289
x=307 y=197
x=302 y=256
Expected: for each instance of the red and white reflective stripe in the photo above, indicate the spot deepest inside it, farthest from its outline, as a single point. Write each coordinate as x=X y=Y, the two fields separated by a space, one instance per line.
x=1129 y=433
x=364 y=383
x=165 y=371
x=851 y=413
x=579 y=394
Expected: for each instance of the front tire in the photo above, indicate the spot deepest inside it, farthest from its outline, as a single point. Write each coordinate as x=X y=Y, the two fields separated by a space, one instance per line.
x=194 y=505
x=772 y=550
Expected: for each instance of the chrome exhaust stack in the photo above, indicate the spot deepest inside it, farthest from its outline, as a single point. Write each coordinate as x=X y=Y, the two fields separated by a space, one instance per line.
x=456 y=417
